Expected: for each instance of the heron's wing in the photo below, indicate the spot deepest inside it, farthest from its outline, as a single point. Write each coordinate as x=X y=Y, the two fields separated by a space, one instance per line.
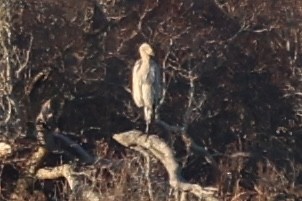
x=137 y=85
x=155 y=77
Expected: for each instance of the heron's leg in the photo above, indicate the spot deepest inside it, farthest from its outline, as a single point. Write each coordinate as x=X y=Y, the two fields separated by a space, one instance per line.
x=156 y=114
x=148 y=116
x=147 y=127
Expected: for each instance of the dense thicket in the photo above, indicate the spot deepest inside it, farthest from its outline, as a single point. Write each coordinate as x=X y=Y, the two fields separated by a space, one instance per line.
x=232 y=74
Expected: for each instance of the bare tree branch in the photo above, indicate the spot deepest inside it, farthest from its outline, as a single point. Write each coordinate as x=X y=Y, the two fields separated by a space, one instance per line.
x=85 y=157
x=75 y=184
x=160 y=150
x=23 y=65
x=5 y=149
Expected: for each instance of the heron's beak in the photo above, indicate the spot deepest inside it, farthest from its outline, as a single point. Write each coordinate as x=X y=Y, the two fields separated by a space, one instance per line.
x=151 y=53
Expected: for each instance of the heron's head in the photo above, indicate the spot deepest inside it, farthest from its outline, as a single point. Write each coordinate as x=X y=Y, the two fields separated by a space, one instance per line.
x=146 y=49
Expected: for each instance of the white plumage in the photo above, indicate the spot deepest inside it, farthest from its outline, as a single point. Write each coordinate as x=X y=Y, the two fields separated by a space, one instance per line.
x=146 y=86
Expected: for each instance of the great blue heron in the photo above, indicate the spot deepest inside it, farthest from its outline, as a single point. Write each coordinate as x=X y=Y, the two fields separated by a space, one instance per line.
x=146 y=86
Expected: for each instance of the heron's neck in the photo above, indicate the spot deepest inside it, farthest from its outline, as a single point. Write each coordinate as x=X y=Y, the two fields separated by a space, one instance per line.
x=145 y=58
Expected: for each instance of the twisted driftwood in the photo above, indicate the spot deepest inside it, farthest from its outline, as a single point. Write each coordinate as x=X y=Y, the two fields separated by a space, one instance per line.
x=136 y=140
x=47 y=134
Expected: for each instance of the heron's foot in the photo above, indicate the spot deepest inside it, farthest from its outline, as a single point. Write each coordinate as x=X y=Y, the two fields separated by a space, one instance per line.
x=145 y=134
x=147 y=131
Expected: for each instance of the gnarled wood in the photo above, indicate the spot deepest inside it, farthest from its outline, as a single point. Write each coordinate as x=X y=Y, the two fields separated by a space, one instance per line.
x=80 y=191
x=5 y=149
x=158 y=148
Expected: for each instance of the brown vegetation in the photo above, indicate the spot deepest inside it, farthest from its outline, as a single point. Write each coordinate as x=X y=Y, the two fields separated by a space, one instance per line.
x=231 y=109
